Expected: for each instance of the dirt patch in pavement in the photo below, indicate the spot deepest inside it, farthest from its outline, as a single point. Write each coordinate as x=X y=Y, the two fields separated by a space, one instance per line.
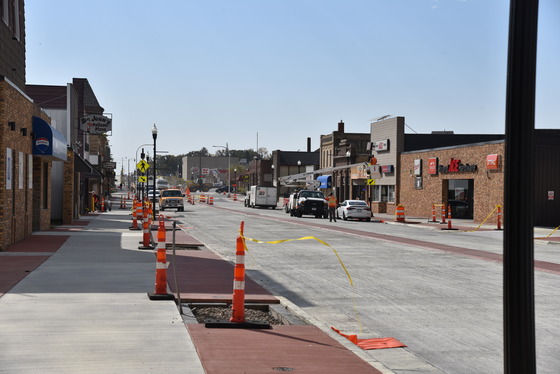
x=205 y=314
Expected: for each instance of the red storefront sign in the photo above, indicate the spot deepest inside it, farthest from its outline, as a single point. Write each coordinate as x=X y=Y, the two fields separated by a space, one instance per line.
x=387 y=169
x=432 y=165
x=493 y=162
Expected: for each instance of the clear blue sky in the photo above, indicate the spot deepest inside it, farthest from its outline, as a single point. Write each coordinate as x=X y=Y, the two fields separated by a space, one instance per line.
x=211 y=72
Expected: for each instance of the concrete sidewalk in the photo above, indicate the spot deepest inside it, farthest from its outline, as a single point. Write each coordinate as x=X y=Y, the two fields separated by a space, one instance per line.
x=76 y=301
x=85 y=308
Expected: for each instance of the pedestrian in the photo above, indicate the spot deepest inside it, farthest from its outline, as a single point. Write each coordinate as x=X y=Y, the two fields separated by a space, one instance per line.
x=95 y=198
x=331 y=199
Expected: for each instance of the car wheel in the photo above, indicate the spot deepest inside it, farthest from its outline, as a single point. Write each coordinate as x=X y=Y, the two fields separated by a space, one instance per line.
x=162 y=209
x=368 y=219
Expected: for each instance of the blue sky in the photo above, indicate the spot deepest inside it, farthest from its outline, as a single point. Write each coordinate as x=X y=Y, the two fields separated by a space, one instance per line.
x=274 y=72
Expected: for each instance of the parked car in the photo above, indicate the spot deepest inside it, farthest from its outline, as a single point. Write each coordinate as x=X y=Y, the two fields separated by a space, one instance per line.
x=353 y=209
x=223 y=189
x=151 y=194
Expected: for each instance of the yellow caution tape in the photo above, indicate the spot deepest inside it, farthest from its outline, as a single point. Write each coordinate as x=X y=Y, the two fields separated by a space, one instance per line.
x=320 y=241
x=485 y=219
x=305 y=238
x=553 y=231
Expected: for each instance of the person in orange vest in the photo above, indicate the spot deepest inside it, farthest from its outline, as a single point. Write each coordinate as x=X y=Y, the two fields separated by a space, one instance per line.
x=331 y=200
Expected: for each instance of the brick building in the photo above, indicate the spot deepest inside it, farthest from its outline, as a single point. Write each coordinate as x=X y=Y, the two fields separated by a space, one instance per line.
x=389 y=143
x=26 y=156
x=343 y=153
x=470 y=177
x=72 y=187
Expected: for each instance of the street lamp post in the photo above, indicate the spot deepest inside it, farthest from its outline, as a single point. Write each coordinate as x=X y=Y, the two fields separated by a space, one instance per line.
x=235 y=180
x=347 y=194
x=228 y=164
x=154 y=136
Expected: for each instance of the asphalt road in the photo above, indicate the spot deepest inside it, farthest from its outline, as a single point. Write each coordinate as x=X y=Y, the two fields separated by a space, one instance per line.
x=439 y=292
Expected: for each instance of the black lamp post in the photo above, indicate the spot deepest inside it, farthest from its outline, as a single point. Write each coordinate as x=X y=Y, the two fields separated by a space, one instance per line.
x=154 y=135
x=347 y=179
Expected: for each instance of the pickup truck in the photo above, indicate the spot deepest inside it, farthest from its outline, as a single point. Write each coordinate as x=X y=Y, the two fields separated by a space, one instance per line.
x=171 y=198
x=308 y=202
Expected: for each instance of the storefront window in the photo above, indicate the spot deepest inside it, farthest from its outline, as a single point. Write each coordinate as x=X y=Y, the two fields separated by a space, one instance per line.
x=376 y=193
x=391 y=193
x=384 y=194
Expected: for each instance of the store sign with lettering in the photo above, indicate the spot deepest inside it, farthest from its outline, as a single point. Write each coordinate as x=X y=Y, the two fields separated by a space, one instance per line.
x=493 y=162
x=387 y=169
x=455 y=166
x=382 y=145
x=418 y=167
x=433 y=165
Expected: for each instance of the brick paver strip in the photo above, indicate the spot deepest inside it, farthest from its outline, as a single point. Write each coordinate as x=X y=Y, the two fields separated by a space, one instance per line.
x=297 y=349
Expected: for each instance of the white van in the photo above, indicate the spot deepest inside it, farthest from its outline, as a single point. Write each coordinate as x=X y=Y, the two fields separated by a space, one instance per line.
x=263 y=197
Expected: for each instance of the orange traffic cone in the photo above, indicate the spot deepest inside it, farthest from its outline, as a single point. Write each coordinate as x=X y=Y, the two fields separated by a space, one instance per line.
x=449 y=226
x=160 y=292
x=238 y=306
x=499 y=223
x=136 y=212
x=237 y=319
x=146 y=234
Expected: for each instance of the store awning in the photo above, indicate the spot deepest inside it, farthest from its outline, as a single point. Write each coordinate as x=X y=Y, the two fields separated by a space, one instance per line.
x=325 y=181
x=47 y=141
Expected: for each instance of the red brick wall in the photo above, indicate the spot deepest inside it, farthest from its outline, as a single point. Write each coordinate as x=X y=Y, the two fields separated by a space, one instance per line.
x=17 y=204
x=488 y=184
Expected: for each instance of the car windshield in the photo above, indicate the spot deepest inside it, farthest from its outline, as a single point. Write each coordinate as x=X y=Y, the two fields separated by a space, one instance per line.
x=315 y=194
x=172 y=193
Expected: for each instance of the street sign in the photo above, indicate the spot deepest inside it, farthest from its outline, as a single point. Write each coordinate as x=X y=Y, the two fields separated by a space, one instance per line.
x=371 y=182
x=142 y=166
x=142 y=179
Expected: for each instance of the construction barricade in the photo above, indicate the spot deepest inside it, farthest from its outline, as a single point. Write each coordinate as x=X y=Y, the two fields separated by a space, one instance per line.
x=399 y=213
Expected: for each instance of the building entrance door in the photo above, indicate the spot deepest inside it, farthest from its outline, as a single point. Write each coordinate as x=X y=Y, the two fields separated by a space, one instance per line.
x=460 y=195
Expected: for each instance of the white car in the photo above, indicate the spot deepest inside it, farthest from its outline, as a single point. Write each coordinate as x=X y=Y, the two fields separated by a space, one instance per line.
x=353 y=209
x=151 y=194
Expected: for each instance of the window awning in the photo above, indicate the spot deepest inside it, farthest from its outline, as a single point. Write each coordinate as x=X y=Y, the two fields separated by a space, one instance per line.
x=48 y=142
x=325 y=181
